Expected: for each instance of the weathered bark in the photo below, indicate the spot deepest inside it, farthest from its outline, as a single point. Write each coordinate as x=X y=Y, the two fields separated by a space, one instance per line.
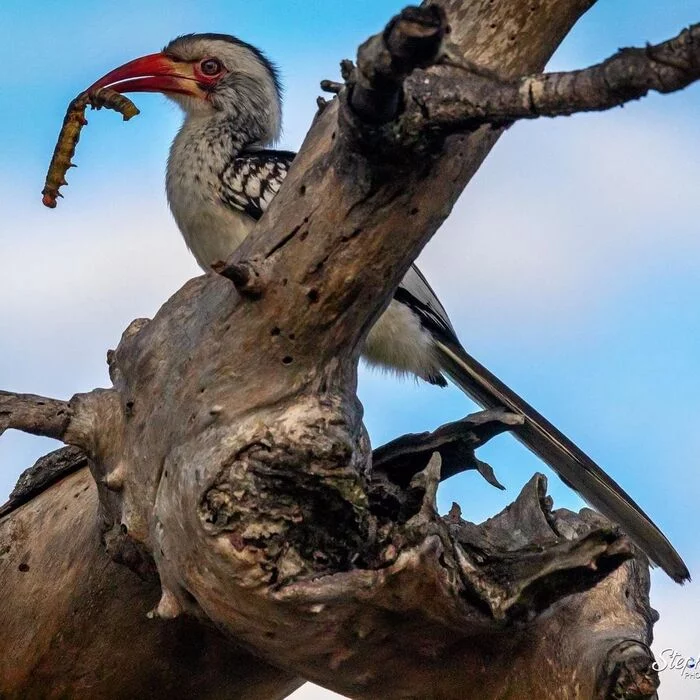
x=99 y=642
x=73 y=622
x=449 y=102
x=231 y=460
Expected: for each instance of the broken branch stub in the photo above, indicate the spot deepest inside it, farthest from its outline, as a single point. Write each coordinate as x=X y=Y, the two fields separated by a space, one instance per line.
x=412 y=39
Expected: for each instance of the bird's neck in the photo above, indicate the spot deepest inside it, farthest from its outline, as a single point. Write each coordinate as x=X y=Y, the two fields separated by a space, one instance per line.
x=204 y=145
x=199 y=155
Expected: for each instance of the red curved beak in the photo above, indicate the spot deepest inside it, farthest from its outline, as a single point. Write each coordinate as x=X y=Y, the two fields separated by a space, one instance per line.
x=153 y=73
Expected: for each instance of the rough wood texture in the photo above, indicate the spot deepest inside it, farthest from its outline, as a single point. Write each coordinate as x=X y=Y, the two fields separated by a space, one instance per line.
x=482 y=97
x=34 y=414
x=73 y=622
x=47 y=471
x=250 y=492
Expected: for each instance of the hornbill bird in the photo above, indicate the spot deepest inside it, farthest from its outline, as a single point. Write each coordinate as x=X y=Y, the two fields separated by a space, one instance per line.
x=221 y=177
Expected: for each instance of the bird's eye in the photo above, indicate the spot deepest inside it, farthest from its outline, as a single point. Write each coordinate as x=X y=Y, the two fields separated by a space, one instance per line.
x=211 y=66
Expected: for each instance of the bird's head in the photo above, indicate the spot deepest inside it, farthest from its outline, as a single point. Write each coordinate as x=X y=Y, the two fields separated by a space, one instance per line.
x=207 y=75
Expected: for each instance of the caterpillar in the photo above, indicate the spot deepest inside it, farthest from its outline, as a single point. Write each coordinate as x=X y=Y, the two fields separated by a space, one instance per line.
x=69 y=136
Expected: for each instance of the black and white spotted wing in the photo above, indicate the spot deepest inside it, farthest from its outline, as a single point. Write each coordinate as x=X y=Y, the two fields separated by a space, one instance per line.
x=252 y=179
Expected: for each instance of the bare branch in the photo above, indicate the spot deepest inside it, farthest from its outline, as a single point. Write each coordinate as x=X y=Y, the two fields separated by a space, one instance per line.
x=73 y=622
x=456 y=442
x=331 y=86
x=465 y=96
x=34 y=414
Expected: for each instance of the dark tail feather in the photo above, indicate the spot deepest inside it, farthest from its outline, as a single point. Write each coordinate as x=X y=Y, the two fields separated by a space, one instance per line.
x=572 y=465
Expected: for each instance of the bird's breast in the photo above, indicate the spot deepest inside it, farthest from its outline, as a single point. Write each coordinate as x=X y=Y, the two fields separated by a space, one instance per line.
x=211 y=229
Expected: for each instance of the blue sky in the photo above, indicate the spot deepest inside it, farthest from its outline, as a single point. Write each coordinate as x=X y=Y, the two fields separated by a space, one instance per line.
x=569 y=267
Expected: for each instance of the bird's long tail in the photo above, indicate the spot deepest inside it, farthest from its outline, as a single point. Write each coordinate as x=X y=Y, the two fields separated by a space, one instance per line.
x=572 y=465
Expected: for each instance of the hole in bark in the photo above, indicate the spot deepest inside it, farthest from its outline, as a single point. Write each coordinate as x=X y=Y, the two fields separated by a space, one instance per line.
x=333 y=136
x=627 y=592
x=303 y=235
x=287 y=360
x=302 y=190
x=284 y=282
x=23 y=568
x=313 y=295
x=275 y=331
x=166 y=473
x=414 y=211
x=124 y=528
x=292 y=336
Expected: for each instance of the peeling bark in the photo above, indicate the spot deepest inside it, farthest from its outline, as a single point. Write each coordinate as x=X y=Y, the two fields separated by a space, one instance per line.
x=233 y=469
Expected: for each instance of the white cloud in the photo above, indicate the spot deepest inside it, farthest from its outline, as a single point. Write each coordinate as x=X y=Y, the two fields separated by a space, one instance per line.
x=566 y=214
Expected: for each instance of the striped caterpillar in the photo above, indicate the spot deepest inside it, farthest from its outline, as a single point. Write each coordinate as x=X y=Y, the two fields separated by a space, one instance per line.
x=68 y=138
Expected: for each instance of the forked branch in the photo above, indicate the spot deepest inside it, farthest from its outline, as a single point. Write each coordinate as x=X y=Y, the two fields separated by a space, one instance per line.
x=457 y=95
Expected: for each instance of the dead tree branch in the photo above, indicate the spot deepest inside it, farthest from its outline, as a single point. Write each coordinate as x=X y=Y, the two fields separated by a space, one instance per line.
x=34 y=414
x=411 y=40
x=456 y=442
x=464 y=97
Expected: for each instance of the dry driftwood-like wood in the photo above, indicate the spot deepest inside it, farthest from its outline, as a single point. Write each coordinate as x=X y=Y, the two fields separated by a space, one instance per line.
x=79 y=654
x=484 y=97
x=231 y=460
x=73 y=623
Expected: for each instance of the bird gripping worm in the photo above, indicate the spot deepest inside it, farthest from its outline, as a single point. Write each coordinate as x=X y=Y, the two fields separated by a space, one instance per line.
x=68 y=138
